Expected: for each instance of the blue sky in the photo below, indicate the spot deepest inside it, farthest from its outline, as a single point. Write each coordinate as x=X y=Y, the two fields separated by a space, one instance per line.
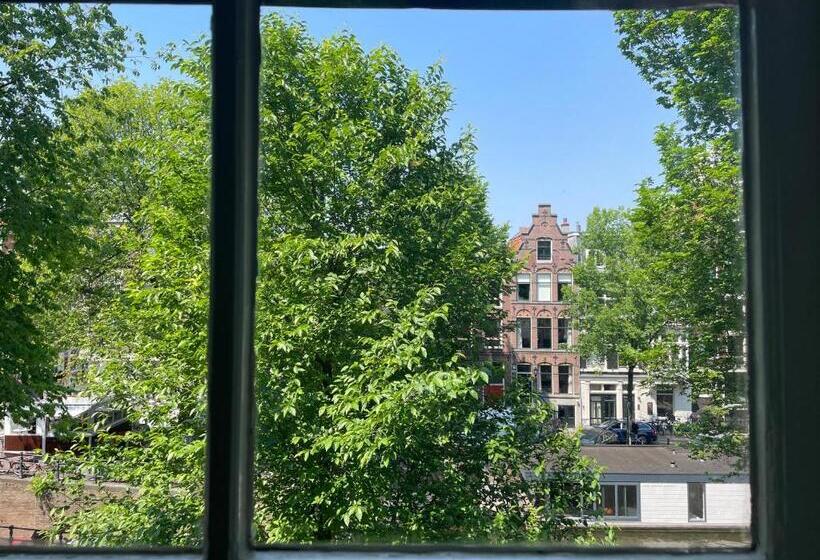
x=561 y=117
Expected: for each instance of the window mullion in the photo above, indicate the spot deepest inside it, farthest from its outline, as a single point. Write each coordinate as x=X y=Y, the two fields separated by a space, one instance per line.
x=235 y=78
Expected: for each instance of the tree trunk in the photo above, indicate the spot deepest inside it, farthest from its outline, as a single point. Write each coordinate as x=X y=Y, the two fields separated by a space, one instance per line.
x=630 y=380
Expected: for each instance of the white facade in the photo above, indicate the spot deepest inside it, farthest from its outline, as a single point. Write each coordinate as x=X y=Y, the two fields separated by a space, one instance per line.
x=614 y=383
x=666 y=503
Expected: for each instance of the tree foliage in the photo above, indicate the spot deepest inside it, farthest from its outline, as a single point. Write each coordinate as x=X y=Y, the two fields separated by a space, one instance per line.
x=46 y=51
x=690 y=58
x=688 y=223
x=379 y=268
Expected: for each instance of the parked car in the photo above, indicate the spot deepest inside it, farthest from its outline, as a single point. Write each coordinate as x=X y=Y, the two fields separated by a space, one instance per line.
x=614 y=431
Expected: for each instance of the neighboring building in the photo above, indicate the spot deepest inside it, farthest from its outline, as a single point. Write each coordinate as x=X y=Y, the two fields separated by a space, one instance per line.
x=537 y=338
x=604 y=394
x=658 y=494
x=537 y=334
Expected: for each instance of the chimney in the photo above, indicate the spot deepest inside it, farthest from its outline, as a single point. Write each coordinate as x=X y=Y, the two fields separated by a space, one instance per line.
x=564 y=227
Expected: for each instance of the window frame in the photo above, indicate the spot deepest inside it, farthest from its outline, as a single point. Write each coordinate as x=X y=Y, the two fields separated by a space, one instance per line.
x=519 y=333
x=780 y=172
x=617 y=487
x=539 y=329
x=702 y=486
x=519 y=282
x=559 y=294
x=537 y=256
x=548 y=284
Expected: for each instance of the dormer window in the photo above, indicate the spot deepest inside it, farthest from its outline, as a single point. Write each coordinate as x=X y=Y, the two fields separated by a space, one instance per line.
x=544 y=250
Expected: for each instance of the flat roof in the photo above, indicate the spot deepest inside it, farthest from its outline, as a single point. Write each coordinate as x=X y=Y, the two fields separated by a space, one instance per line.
x=651 y=461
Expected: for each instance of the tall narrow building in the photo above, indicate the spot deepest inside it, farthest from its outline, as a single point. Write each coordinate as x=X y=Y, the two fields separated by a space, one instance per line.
x=537 y=337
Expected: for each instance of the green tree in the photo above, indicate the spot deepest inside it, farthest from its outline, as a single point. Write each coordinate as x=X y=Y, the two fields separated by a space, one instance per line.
x=690 y=57
x=688 y=223
x=45 y=52
x=379 y=268
x=614 y=301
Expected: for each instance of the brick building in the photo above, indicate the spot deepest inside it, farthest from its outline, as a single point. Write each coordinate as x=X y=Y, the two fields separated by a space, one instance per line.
x=537 y=337
x=537 y=334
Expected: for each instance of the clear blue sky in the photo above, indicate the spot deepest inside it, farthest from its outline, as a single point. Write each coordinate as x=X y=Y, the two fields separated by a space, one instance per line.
x=561 y=117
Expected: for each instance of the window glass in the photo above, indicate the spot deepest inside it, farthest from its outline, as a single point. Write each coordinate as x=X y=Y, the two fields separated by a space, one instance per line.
x=696 y=498
x=564 y=379
x=627 y=501
x=566 y=415
x=601 y=408
x=563 y=330
x=387 y=281
x=664 y=399
x=612 y=360
x=523 y=327
x=544 y=327
x=608 y=500
x=545 y=370
x=523 y=287
x=544 y=250
x=524 y=376
x=564 y=284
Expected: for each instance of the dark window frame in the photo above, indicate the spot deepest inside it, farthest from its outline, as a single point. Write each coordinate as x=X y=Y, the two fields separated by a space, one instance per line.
x=780 y=61
x=545 y=371
x=539 y=330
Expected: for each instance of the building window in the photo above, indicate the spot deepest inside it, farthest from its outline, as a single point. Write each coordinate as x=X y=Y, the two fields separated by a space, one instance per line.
x=564 y=283
x=563 y=330
x=522 y=331
x=495 y=373
x=612 y=360
x=523 y=287
x=601 y=408
x=545 y=372
x=543 y=281
x=564 y=379
x=566 y=415
x=697 y=501
x=544 y=333
x=620 y=500
x=544 y=250
x=523 y=373
x=664 y=398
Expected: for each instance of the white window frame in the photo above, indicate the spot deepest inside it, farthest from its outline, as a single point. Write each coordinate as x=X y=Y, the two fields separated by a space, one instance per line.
x=547 y=283
x=539 y=240
x=558 y=296
x=523 y=278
